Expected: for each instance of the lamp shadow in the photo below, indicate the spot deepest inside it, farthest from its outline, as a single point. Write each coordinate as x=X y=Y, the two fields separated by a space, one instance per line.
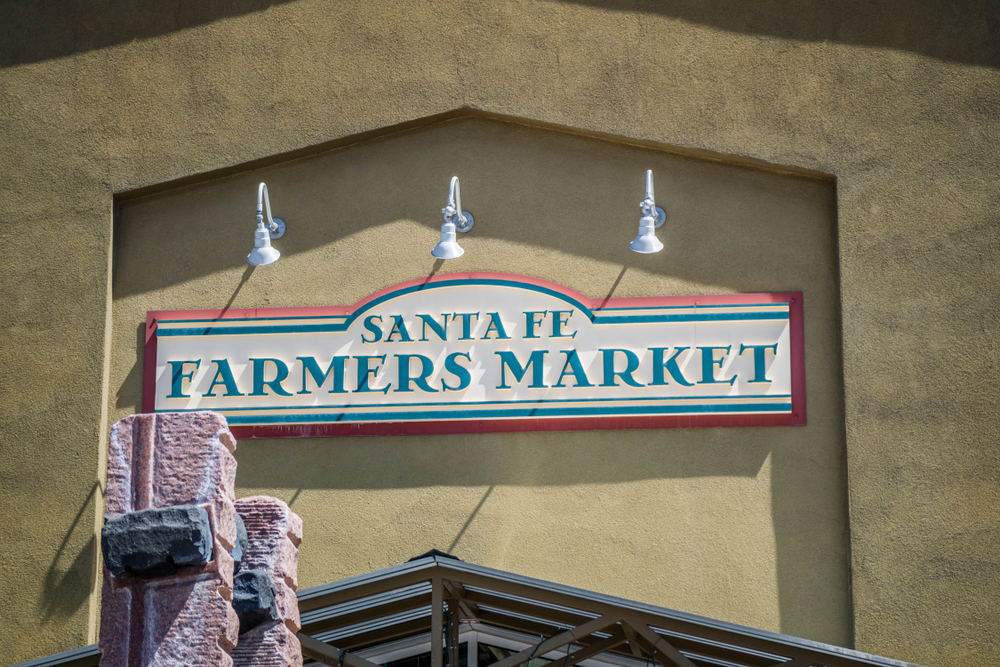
x=69 y=581
x=522 y=189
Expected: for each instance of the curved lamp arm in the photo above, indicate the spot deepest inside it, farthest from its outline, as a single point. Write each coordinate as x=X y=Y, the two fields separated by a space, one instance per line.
x=264 y=201
x=648 y=205
x=454 y=208
x=275 y=226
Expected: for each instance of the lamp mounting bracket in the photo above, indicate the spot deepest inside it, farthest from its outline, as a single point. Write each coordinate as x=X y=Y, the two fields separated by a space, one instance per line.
x=466 y=225
x=279 y=229
x=661 y=216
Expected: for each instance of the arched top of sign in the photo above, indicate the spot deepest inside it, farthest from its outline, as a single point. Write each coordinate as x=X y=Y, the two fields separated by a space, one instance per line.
x=470 y=352
x=508 y=280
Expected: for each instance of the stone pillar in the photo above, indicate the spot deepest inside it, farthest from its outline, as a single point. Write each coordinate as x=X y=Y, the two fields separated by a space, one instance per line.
x=265 y=584
x=170 y=604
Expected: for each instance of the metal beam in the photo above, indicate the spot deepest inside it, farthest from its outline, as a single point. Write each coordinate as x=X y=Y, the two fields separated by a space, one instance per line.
x=737 y=637
x=664 y=653
x=453 y=588
x=521 y=625
x=469 y=611
x=437 y=620
x=322 y=652
x=585 y=652
x=564 y=617
x=692 y=645
x=368 y=614
x=379 y=636
x=451 y=622
x=633 y=643
x=457 y=591
x=702 y=634
x=797 y=662
x=513 y=587
x=365 y=586
x=560 y=640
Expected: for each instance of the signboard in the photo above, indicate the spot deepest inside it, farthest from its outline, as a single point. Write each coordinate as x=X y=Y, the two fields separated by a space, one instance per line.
x=476 y=352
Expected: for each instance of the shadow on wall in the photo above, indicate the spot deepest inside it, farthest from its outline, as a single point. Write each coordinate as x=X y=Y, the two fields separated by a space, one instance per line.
x=504 y=459
x=965 y=32
x=134 y=378
x=530 y=186
x=804 y=562
x=70 y=578
x=32 y=31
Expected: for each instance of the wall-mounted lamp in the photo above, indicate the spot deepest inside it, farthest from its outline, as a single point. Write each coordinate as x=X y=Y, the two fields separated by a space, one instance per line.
x=262 y=253
x=454 y=219
x=652 y=217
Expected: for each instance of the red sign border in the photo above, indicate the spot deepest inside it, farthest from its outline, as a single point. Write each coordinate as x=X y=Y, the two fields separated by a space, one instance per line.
x=796 y=418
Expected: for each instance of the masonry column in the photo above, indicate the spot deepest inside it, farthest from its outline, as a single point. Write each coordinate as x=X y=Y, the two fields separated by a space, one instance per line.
x=265 y=584
x=169 y=529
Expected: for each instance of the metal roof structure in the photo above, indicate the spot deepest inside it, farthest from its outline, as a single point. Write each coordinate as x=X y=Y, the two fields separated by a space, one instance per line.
x=435 y=603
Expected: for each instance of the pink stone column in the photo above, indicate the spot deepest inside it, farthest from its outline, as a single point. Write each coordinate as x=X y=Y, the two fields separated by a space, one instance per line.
x=161 y=460
x=274 y=533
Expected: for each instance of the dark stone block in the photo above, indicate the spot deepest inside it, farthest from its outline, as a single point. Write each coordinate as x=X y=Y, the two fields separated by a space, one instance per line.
x=156 y=542
x=242 y=542
x=253 y=599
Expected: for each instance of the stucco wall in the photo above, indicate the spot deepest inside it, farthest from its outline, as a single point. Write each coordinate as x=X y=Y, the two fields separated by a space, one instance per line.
x=744 y=524
x=898 y=101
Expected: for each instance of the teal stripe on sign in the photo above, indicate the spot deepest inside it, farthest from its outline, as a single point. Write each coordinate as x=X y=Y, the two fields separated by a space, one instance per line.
x=340 y=328
x=693 y=305
x=443 y=404
x=595 y=411
x=256 y=319
x=476 y=281
x=690 y=317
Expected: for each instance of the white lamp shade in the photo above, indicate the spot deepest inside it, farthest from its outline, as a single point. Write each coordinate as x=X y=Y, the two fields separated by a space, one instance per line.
x=262 y=253
x=646 y=242
x=263 y=256
x=447 y=247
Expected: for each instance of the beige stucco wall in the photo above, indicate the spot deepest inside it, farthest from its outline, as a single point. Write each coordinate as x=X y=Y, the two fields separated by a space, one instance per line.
x=747 y=524
x=898 y=102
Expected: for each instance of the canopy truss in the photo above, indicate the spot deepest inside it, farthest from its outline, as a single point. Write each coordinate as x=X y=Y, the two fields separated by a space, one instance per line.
x=435 y=599
x=439 y=596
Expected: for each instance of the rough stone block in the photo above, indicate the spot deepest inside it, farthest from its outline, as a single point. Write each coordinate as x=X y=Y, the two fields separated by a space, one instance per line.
x=273 y=535
x=161 y=461
x=174 y=458
x=241 y=542
x=157 y=542
x=253 y=599
x=271 y=644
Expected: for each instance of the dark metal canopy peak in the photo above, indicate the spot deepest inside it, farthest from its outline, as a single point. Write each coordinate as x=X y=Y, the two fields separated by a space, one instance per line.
x=433 y=553
x=436 y=602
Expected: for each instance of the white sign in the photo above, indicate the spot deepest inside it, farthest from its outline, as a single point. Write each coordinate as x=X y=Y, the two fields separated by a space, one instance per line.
x=483 y=352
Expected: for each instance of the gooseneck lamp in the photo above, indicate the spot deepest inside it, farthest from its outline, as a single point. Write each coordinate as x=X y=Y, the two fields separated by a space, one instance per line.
x=262 y=253
x=652 y=217
x=455 y=219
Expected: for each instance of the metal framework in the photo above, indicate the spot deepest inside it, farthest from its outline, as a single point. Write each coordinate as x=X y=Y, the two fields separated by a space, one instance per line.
x=436 y=600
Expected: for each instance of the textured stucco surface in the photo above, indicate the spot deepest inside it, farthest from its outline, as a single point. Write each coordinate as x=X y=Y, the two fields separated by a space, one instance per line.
x=897 y=100
x=749 y=525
